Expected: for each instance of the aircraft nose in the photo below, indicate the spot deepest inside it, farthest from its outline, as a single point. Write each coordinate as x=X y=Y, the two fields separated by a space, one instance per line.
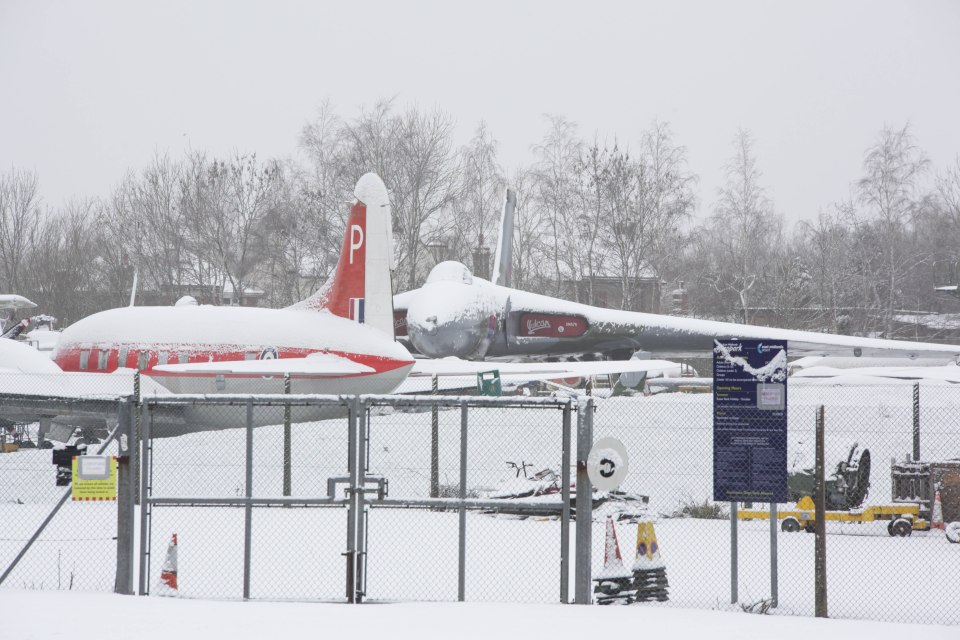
x=448 y=319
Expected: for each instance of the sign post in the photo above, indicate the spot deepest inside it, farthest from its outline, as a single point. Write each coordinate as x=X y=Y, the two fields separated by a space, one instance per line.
x=750 y=433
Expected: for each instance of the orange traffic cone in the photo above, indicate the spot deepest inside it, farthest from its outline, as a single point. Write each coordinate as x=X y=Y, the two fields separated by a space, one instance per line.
x=649 y=571
x=936 y=515
x=167 y=585
x=614 y=582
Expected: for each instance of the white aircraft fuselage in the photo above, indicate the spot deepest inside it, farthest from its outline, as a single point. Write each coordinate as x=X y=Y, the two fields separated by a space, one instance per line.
x=457 y=314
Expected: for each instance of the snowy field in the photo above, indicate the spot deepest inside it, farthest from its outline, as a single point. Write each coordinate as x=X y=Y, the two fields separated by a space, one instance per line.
x=413 y=553
x=91 y=616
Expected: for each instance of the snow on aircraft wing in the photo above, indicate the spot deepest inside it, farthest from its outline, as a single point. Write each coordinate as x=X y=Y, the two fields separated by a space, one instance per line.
x=14 y=302
x=455 y=373
x=316 y=364
x=946 y=373
x=539 y=370
x=678 y=337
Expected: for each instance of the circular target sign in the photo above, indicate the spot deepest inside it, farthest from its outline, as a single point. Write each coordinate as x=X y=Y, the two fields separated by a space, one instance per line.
x=607 y=464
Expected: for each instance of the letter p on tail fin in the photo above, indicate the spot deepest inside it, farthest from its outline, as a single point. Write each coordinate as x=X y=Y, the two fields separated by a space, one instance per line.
x=360 y=288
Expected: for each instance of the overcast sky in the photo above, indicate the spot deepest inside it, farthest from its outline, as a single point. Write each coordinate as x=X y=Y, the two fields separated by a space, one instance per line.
x=90 y=89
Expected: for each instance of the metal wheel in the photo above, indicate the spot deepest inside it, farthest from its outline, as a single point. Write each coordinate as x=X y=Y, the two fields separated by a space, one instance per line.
x=952 y=531
x=901 y=527
x=790 y=525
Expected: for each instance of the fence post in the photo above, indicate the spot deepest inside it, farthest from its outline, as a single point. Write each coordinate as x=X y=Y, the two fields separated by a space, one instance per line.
x=916 y=422
x=126 y=491
x=584 y=573
x=462 y=543
x=820 y=524
x=146 y=462
x=287 y=441
x=434 y=444
x=734 y=557
x=248 y=507
x=137 y=435
x=354 y=409
x=565 y=507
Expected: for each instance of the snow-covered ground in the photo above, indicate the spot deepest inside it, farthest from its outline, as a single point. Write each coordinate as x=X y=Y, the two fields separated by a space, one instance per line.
x=33 y=615
x=413 y=553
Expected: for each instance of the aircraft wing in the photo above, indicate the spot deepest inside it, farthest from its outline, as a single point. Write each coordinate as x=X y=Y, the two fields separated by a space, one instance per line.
x=540 y=370
x=454 y=373
x=13 y=302
x=946 y=373
x=317 y=364
x=680 y=337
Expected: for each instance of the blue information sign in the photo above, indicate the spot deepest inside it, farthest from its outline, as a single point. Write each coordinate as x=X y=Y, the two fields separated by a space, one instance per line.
x=750 y=420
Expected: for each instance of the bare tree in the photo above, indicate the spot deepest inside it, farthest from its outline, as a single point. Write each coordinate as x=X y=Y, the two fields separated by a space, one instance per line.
x=238 y=198
x=556 y=175
x=744 y=229
x=413 y=153
x=890 y=190
x=19 y=219
x=650 y=197
x=475 y=213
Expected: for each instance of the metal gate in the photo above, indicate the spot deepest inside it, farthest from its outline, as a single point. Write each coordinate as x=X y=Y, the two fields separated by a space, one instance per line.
x=413 y=484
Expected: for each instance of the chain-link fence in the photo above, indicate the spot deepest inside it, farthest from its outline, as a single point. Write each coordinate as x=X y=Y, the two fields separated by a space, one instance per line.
x=47 y=539
x=431 y=498
x=872 y=482
x=409 y=498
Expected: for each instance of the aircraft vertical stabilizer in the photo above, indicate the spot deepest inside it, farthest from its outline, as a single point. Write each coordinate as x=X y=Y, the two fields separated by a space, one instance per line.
x=360 y=288
x=503 y=262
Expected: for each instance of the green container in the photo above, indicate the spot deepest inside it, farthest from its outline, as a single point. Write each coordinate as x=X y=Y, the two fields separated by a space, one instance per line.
x=488 y=383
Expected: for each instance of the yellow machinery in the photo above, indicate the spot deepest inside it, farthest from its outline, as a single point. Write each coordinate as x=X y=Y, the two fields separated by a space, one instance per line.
x=904 y=518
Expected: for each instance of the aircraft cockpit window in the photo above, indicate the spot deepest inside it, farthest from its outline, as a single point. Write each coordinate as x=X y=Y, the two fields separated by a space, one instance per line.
x=84 y=359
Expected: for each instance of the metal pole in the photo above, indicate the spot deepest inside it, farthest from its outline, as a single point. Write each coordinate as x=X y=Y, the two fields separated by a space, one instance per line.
x=916 y=421
x=734 y=574
x=248 y=509
x=565 y=508
x=137 y=436
x=774 y=568
x=146 y=461
x=287 y=441
x=363 y=443
x=820 y=525
x=584 y=577
x=352 y=468
x=462 y=548
x=435 y=445
x=126 y=490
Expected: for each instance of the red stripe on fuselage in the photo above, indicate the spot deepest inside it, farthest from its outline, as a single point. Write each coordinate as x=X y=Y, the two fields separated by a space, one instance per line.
x=69 y=358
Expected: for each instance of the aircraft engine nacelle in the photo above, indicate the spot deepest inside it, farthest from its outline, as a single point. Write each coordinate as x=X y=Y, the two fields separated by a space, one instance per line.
x=451 y=318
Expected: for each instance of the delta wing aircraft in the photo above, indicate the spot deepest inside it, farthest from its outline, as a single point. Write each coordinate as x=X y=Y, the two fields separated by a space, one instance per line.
x=457 y=314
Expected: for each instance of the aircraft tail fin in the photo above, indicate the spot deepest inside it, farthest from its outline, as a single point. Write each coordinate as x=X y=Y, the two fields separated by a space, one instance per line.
x=503 y=262
x=360 y=287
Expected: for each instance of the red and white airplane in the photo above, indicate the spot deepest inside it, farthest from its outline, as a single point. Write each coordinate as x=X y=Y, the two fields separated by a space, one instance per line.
x=338 y=341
